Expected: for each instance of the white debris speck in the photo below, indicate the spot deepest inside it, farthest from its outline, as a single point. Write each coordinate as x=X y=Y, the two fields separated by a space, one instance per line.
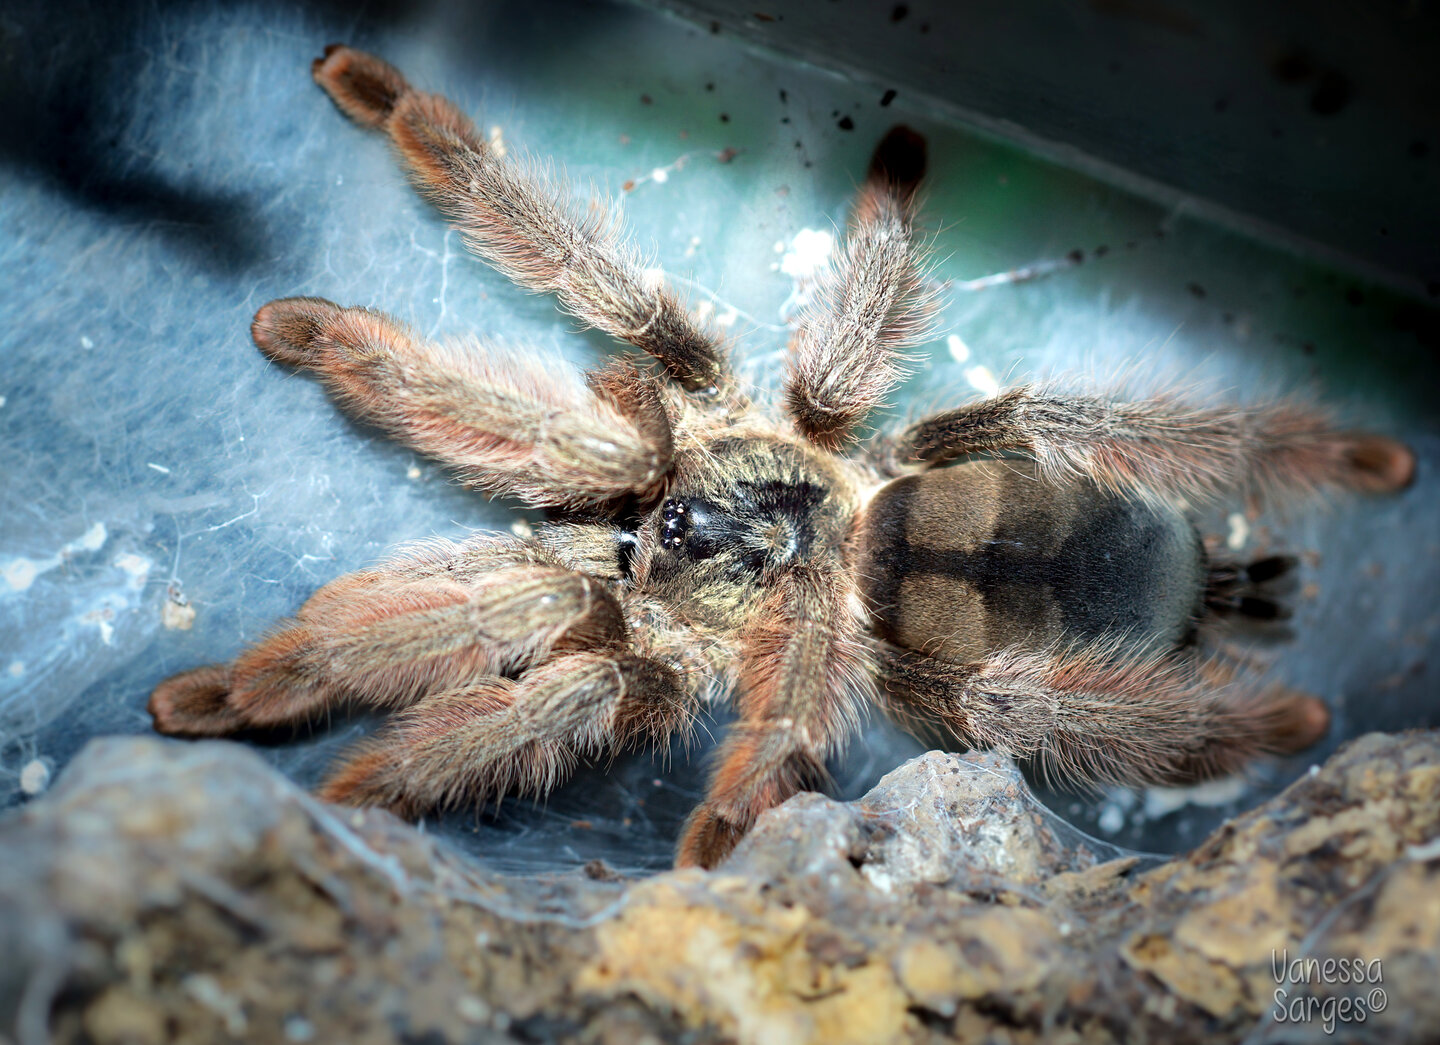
x=959 y=350
x=92 y=540
x=692 y=246
x=704 y=310
x=339 y=179
x=659 y=175
x=205 y=989
x=1239 y=531
x=522 y=528
x=2 y=400
x=100 y=617
x=727 y=318
x=653 y=278
x=1112 y=818
x=176 y=615
x=413 y=472
x=20 y=573
x=85 y=342
x=1162 y=800
x=472 y=1009
x=15 y=669
x=137 y=566
x=158 y=467
x=34 y=777
x=497 y=140
x=982 y=380
x=779 y=246
x=808 y=255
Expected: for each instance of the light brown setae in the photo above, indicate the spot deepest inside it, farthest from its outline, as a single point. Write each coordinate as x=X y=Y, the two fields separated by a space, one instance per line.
x=701 y=548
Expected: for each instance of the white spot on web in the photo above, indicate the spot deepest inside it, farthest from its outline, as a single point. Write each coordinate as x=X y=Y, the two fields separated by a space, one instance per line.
x=497 y=140
x=522 y=528
x=158 y=467
x=20 y=573
x=809 y=252
x=177 y=615
x=2 y=400
x=659 y=175
x=1162 y=800
x=101 y=617
x=728 y=317
x=1239 y=531
x=85 y=342
x=1112 y=818
x=34 y=777
x=413 y=472
x=705 y=310
x=653 y=278
x=137 y=566
x=959 y=350
x=90 y=541
x=982 y=380
x=16 y=669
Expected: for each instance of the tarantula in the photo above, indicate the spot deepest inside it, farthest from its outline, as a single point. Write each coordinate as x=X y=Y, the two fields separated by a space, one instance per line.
x=1019 y=571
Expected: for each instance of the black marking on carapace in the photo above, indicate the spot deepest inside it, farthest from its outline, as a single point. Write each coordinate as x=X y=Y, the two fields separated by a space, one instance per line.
x=767 y=523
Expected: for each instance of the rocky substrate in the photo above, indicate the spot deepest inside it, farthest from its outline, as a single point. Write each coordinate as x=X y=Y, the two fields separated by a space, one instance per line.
x=167 y=892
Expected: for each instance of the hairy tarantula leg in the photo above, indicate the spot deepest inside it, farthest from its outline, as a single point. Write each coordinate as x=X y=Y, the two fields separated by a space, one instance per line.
x=382 y=639
x=1155 y=444
x=505 y=421
x=498 y=735
x=804 y=681
x=518 y=222
x=872 y=304
x=1087 y=718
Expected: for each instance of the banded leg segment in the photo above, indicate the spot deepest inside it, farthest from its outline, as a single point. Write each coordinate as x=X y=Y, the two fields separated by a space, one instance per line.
x=518 y=222
x=497 y=736
x=872 y=304
x=1091 y=719
x=1165 y=447
x=805 y=679
x=387 y=637
x=505 y=421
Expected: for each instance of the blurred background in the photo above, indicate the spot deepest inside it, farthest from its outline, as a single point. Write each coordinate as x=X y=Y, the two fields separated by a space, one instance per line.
x=1206 y=194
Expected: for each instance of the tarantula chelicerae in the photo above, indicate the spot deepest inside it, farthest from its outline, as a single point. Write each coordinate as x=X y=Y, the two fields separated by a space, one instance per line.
x=1042 y=591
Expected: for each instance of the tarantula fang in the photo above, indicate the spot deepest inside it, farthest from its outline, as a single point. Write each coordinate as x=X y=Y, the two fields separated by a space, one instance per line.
x=1018 y=571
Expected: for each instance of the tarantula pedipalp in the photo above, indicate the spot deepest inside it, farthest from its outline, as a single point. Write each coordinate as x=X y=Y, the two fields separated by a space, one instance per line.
x=1017 y=571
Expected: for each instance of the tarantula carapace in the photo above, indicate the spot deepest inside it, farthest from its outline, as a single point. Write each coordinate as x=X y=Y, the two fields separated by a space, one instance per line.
x=1018 y=571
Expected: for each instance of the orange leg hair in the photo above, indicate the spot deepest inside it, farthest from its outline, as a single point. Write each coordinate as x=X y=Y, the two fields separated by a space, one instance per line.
x=517 y=221
x=1164 y=446
x=1089 y=718
x=437 y=619
x=504 y=421
x=496 y=735
x=805 y=680
x=873 y=303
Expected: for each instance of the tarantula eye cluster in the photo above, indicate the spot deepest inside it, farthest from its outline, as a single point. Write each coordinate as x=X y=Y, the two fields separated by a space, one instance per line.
x=699 y=549
x=677 y=523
